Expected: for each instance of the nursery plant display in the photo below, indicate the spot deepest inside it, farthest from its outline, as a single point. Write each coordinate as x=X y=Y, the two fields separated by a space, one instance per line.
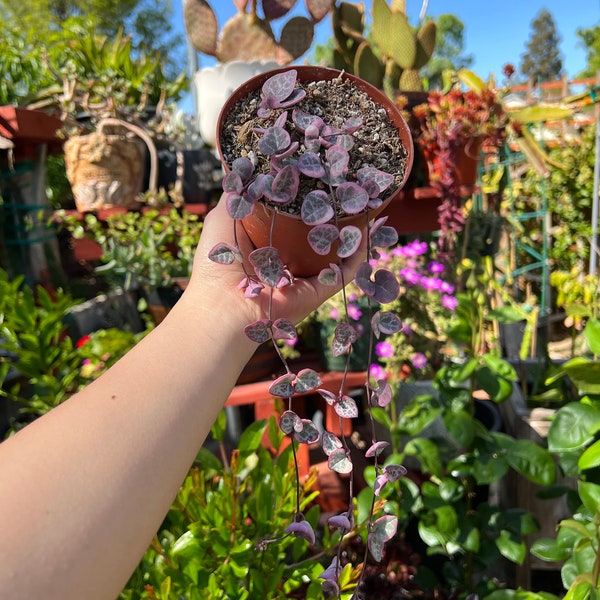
x=298 y=147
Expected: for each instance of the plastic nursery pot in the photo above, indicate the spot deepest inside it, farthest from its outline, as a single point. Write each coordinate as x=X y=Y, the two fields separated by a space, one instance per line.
x=288 y=233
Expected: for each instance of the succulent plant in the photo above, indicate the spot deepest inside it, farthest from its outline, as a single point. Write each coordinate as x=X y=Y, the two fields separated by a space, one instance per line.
x=391 y=57
x=249 y=36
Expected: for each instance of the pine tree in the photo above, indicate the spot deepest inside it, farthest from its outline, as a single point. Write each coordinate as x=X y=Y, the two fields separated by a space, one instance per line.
x=542 y=61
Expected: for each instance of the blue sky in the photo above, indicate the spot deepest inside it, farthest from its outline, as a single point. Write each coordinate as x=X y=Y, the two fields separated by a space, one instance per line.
x=496 y=31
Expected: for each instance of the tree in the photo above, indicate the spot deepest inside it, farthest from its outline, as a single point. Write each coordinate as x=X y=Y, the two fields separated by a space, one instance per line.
x=590 y=41
x=448 y=53
x=542 y=61
x=148 y=22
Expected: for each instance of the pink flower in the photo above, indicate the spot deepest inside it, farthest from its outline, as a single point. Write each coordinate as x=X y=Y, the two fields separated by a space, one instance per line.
x=449 y=302
x=384 y=349
x=377 y=372
x=354 y=312
x=435 y=267
x=419 y=360
x=334 y=314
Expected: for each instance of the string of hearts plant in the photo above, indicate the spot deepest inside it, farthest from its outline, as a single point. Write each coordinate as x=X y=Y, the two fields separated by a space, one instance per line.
x=305 y=161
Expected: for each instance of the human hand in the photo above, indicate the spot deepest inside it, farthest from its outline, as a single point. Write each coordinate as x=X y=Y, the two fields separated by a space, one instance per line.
x=294 y=302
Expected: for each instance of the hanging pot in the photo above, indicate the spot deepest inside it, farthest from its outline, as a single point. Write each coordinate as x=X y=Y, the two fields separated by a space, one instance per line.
x=467 y=161
x=106 y=170
x=288 y=233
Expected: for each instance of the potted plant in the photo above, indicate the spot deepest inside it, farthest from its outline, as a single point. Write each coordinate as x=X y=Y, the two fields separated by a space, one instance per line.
x=246 y=46
x=103 y=93
x=324 y=152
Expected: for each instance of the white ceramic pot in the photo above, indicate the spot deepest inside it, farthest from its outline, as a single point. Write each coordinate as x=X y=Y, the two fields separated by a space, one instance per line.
x=215 y=84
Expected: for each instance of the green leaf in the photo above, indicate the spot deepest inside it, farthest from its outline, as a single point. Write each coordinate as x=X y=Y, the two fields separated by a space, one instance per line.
x=590 y=495
x=547 y=549
x=592 y=335
x=498 y=387
x=572 y=427
x=532 y=461
x=500 y=367
x=585 y=374
x=251 y=437
x=591 y=457
x=511 y=547
x=461 y=427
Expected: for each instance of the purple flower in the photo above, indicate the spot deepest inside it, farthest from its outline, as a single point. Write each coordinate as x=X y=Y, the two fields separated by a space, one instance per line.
x=334 y=314
x=384 y=349
x=410 y=276
x=407 y=329
x=446 y=288
x=449 y=302
x=419 y=360
x=354 y=312
x=291 y=343
x=431 y=283
x=378 y=372
x=435 y=267
x=415 y=248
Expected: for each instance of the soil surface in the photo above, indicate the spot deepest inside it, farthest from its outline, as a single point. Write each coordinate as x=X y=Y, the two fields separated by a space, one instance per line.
x=376 y=143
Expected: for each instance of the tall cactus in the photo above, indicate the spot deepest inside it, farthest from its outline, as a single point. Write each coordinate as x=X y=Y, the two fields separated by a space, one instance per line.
x=395 y=52
x=248 y=35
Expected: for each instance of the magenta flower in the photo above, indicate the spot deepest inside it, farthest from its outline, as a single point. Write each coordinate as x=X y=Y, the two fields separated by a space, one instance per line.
x=410 y=276
x=378 y=372
x=334 y=314
x=407 y=329
x=435 y=267
x=431 y=283
x=419 y=360
x=384 y=349
x=446 y=288
x=354 y=312
x=449 y=302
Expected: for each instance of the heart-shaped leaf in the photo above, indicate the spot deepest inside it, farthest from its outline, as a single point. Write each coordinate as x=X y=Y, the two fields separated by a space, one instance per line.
x=385 y=322
x=289 y=421
x=344 y=336
x=283 y=387
x=346 y=408
x=339 y=462
x=310 y=164
x=283 y=329
x=321 y=237
x=252 y=288
x=352 y=197
x=387 y=288
x=330 y=442
x=243 y=167
x=352 y=124
x=274 y=141
x=285 y=185
x=337 y=160
x=363 y=279
x=383 y=530
x=259 y=331
x=309 y=434
x=302 y=120
x=307 y=381
x=382 y=179
x=340 y=522
x=376 y=449
x=268 y=266
x=383 y=395
x=350 y=238
x=280 y=85
x=394 y=472
x=239 y=207
x=329 y=397
x=330 y=276
x=224 y=254
x=302 y=529
x=316 y=208
x=384 y=237
x=232 y=183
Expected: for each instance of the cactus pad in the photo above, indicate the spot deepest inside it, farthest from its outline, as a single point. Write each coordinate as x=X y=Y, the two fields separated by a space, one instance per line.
x=367 y=66
x=425 y=44
x=274 y=9
x=201 y=26
x=410 y=81
x=246 y=38
x=319 y=9
x=296 y=38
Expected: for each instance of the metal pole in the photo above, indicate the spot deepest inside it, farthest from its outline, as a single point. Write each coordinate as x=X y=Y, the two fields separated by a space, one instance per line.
x=593 y=250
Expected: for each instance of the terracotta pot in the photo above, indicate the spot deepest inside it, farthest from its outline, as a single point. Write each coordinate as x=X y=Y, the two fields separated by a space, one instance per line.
x=288 y=233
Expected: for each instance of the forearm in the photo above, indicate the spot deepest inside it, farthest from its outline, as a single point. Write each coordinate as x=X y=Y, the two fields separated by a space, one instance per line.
x=78 y=532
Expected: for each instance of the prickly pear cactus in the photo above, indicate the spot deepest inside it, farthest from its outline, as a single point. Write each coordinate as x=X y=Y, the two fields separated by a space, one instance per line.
x=394 y=54
x=248 y=35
